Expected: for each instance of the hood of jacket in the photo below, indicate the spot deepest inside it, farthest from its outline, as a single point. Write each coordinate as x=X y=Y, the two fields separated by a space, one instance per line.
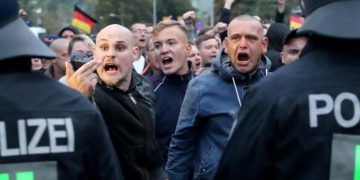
x=223 y=66
x=276 y=35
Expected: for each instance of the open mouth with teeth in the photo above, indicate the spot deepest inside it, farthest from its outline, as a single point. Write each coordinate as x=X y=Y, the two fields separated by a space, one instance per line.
x=197 y=65
x=167 y=60
x=243 y=57
x=142 y=40
x=111 y=67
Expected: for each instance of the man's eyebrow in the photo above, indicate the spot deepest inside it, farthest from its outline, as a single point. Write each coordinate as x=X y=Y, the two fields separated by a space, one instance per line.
x=116 y=42
x=171 y=39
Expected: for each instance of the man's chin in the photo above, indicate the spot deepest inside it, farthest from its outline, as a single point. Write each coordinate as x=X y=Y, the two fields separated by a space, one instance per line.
x=110 y=81
x=243 y=69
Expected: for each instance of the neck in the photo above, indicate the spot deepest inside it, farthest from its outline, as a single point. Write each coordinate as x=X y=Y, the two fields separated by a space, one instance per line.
x=124 y=85
x=183 y=71
x=58 y=73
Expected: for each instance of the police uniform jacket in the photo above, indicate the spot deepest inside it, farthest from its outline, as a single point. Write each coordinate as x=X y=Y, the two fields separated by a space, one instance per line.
x=48 y=131
x=303 y=122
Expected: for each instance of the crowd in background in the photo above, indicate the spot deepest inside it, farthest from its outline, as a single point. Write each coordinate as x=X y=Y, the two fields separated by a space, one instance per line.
x=170 y=98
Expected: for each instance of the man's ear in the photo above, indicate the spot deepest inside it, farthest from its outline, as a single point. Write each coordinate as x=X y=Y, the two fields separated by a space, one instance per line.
x=282 y=57
x=136 y=53
x=226 y=45
x=265 y=43
x=188 y=49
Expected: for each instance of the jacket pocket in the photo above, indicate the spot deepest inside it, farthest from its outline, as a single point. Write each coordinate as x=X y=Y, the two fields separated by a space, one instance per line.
x=207 y=165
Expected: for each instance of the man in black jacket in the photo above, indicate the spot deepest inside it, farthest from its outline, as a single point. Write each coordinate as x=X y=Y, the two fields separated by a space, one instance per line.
x=308 y=127
x=170 y=42
x=47 y=131
x=125 y=99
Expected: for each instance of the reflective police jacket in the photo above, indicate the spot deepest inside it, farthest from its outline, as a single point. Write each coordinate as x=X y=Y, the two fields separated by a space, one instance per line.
x=303 y=122
x=130 y=119
x=48 y=131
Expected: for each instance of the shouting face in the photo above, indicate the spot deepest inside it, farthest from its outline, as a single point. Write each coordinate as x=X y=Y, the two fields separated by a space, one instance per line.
x=115 y=48
x=245 y=43
x=172 y=47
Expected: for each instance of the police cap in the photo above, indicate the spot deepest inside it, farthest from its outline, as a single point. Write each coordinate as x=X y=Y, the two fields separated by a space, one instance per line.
x=15 y=36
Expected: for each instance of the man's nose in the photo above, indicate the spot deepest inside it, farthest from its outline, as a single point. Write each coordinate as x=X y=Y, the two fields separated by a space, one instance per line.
x=111 y=53
x=243 y=42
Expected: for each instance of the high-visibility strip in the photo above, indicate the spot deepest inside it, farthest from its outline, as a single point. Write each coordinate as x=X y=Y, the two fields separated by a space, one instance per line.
x=28 y=175
x=81 y=25
x=4 y=176
x=357 y=163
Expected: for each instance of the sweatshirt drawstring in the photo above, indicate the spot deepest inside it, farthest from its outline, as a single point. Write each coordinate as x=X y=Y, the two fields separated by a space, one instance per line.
x=236 y=90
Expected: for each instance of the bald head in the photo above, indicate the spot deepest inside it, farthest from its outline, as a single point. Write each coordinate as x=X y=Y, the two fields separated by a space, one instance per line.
x=59 y=44
x=116 y=30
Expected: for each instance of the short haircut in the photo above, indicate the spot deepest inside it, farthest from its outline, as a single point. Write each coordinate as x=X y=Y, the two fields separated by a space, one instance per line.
x=292 y=35
x=245 y=17
x=203 y=38
x=133 y=24
x=81 y=38
x=147 y=45
x=169 y=23
x=70 y=28
x=204 y=30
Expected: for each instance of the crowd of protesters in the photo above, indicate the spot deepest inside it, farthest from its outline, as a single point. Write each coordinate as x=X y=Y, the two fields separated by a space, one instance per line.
x=241 y=100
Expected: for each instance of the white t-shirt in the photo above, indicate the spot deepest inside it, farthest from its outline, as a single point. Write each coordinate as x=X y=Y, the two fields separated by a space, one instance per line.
x=139 y=64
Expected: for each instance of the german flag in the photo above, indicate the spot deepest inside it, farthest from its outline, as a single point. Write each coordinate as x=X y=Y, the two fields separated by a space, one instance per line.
x=296 y=22
x=82 y=20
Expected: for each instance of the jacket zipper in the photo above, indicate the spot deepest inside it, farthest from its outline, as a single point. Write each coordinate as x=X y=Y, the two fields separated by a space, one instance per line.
x=132 y=98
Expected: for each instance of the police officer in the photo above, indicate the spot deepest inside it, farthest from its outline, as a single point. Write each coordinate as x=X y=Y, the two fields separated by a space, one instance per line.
x=309 y=126
x=47 y=131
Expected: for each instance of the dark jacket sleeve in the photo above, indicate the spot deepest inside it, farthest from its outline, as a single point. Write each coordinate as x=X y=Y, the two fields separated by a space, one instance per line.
x=279 y=17
x=183 y=141
x=225 y=18
x=249 y=151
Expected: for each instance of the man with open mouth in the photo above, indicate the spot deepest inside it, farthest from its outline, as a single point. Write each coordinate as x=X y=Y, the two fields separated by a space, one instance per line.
x=195 y=59
x=302 y=122
x=125 y=99
x=47 y=131
x=141 y=36
x=208 y=48
x=172 y=49
x=212 y=100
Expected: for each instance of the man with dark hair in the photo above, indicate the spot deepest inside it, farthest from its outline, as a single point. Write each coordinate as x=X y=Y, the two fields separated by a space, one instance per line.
x=292 y=47
x=212 y=100
x=47 y=130
x=68 y=32
x=141 y=36
x=308 y=128
x=208 y=48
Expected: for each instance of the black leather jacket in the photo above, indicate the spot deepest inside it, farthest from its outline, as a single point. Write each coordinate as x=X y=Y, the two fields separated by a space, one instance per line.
x=130 y=118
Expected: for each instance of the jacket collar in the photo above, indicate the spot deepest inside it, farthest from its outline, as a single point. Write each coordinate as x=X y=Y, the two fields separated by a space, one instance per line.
x=224 y=68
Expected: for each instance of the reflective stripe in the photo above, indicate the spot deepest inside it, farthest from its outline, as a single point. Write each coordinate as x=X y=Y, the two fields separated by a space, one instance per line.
x=357 y=163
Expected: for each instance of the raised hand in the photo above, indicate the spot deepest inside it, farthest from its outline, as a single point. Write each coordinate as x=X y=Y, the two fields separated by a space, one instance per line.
x=84 y=79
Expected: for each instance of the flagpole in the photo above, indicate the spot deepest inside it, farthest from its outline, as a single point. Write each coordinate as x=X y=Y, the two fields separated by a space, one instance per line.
x=212 y=19
x=154 y=13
